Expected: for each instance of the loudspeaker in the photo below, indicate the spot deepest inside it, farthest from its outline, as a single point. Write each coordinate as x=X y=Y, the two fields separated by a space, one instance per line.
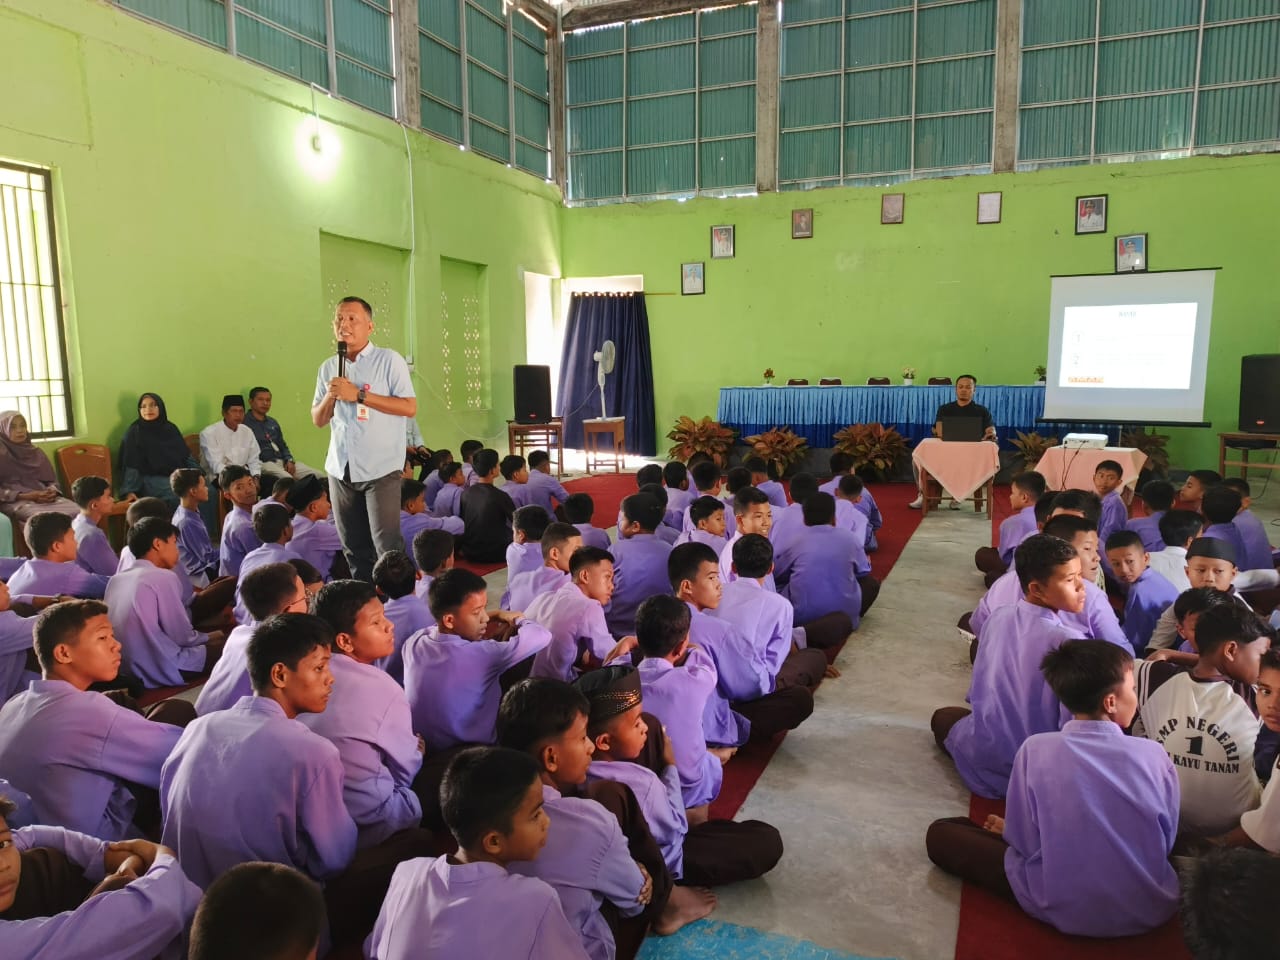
x=533 y=393
x=1260 y=393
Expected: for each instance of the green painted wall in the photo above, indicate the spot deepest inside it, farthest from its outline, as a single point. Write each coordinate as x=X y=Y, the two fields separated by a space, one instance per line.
x=938 y=292
x=190 y=233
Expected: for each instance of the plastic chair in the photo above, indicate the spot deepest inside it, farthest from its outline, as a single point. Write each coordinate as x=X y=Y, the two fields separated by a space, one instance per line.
x=939 y=381
x=877 y=381
x=797 y=382
x=830 y=382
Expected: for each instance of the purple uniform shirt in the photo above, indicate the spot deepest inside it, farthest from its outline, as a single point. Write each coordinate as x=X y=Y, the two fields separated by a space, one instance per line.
x=1090 y=819
x=586 y=861
x=668 y=535
x=523 y=589
x=452 y=683
x=449 y=501
x=639 y=572
x=46 y=578
x=594 y=536
x=1148 y=597
x=229 y=680
x=408 y=615
x=786 y=524
x=433 y=485
x=156 y=637
x=677 y=696
x=849 y=517
x=544 y=490
x=740 y=675
x=519 y=493
x=1008 y=694
x=1253 y=535
x=75 y=752
x=1014 y=530
x=238 y=539
x=1096 y=621
x=260 y=557
x=727 y=574
x=195 y=549
x=93 y=550
x=660 y=800
x=1148 y=528
x=412 y=524
x=820 y=572
x=367 y=719
x=1115 y=514
x=316 y=543
x=576 y=622
x=248 y=783
x=775 y=492
x=1231 y=534
x=16 y=636
x=144 y=919
x=761 y=616
x=458 y=903
x=702 y=536
x=677 y=502
x=523 y=557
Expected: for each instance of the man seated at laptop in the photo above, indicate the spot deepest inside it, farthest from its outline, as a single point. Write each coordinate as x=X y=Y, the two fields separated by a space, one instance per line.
x=962 y=407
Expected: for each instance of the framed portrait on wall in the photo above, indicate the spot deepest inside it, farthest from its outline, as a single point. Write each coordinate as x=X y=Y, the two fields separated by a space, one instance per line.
x=692 y=279
x=1131 y=253
x=722 y=242
x=801 y=224
x=1091 y=214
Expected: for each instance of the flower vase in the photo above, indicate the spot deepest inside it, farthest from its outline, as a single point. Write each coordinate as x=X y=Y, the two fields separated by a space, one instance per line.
x=908 y=381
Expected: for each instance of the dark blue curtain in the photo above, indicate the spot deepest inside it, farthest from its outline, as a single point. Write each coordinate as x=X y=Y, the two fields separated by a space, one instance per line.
x=593 y=319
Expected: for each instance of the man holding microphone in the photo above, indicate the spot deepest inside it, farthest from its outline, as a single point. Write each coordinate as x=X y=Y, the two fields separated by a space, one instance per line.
x=365 y=406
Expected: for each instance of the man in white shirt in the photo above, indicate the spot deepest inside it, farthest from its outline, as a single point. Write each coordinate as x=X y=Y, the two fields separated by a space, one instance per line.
x=229 y=441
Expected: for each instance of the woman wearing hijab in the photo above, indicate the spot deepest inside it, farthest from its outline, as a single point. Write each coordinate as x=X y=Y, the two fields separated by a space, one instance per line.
x=27 y=482
x=151 y=450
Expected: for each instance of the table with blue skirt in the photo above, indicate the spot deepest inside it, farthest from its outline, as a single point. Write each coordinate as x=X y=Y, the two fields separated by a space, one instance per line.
x=818 y=413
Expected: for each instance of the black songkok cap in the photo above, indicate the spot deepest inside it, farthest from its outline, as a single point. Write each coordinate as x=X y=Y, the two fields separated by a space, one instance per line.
x=612 y=691
x=1213 y=548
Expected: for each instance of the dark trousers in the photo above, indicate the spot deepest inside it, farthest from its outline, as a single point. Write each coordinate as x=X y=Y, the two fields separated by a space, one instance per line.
x=965 y=850
x=784 y=709
x=987 y=560
x=355 y=896
x=870 y=588
x=211 y=607
x=427 y=784
x=368 y=517
x=176 y=713
x=802 y=668
x=944 y=718
x=828 y=633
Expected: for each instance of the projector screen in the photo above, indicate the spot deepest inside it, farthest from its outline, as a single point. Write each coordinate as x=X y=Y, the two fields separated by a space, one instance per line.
x=1129 y=347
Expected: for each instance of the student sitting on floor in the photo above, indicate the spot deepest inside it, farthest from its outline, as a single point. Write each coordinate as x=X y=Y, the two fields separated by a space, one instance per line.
x=649 y=473
x=367 y=716
x=764 y=480
x=559 y=542
x=1257 y=554
x=486 y=513
x=1197 y=482
x=492 y=800
x=414 y=516
x=52 y=571
x=77 y=754
x=453 y=482
x=138 y=511
x=160 y=646
x=1260 y=827
x=1187 y=610
x=1091 y=814
x=842 y=466
x=789 y=522
x=259 y=911
x=93 y=550
x=1148 y=592
x=451 y=670
x=17 y=633
x=752 y=513
x=467 y=452
x=198 y=554
x=74 y=897
x=574 y=613
x=315 y=535
x=707 y=516
x=272 y=588
x=766 y=619
x=675 y=477
x=525 y=551
x=667 y=534
x=631 y=748
x=578 y=510
x=544 y=489
x=1024 y=491
x=1107 y=479
x=1210 y=563
x=1219 y=506
x=1009 y=698
x=430 y=475
x=849 y=493
x=272 y=526
x=395 y=578
x=639 y=562
x=515 y=477
x=825 y=568
x=586 y=858
x=432 y=555
x=280 y=491
x=738 y=478
x=1205 y=718
x=1157 y=496
x=1177 y=529
x=706 y=481
x=241 y=490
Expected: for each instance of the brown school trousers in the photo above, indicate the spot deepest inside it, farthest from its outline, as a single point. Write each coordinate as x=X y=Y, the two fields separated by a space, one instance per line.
x=965 y=850
x=828 y=633
x=944 y=718
x=784 y=709
x=870 y=588
x=802 y=668
x=354 y=897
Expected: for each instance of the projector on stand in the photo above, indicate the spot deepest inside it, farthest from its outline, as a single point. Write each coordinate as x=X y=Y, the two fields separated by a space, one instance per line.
x=1084 y=441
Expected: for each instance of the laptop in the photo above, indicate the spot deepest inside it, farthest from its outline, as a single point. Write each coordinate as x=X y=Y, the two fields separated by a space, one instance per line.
x=962 y=429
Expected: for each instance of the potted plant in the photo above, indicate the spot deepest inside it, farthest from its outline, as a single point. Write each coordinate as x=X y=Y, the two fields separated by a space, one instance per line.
x=1153 y=445
x=1031 y=447
x=700 y=436
x=908 y=376
x=1041 y=372
x=875 y=448
x=768 y=376
x=779 y=447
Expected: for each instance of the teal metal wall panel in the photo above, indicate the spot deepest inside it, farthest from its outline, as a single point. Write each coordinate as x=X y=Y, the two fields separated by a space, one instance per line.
x=1144 y=124
x=1057 y=73
x=1047 y=133
x=441 y=71
x=809 y=154
x=595 y=128
x=807 y=11
x=487 y=96
x=529 y=67
x=281 y=51
x=532 y=118
x=1247 y=51
x=1165 y=61
x=1057 y=21
x=727 y=60
x=486 y=40
x=593 y=176
x=727 y=163
x=953 y=141
x=440 y=18
x=659 y=170
x=810 y=49
x=663 y=31
x=363 y=33
x=739 y=19
x=727 y=111
x=535 y=161
x=809 y=102
x=366 y=87
x=442 y=120
x=492 y=143
x=205 y=19
x=872 y=41
x=661 y=70
x=1218 y=10
x=582 y=43
x=877 y=94
x=876 y=147
x=956 y=29
x=661 y=119
x=1239 y=115
x=305 y=17
x=875 y=6
x=594 y=79
x=951 y=85
x=1137 y=16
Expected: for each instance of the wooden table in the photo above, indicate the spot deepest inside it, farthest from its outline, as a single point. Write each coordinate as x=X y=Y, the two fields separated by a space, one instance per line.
x=1225 y=440
x=965 y=471
x=597 y=427
x=537 y=436
x=1073 y=468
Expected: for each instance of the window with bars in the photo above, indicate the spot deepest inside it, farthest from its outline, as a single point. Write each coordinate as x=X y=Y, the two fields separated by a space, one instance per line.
x=1142 y=79
x=343 y=46
x=33 y=378
x=876 y=91
x=484 y=81
x=663 y=107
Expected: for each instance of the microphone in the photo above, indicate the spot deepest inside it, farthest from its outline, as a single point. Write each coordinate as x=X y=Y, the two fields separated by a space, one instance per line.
x=342 y=358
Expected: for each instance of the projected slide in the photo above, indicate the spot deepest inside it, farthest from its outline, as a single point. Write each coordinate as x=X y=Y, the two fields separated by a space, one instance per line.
x=1144 y=346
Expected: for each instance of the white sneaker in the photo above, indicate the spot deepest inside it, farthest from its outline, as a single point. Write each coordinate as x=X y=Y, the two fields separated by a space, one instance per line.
x=917 y=503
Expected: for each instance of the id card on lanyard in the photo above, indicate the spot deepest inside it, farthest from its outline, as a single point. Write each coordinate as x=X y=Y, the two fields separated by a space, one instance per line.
x=362 y=411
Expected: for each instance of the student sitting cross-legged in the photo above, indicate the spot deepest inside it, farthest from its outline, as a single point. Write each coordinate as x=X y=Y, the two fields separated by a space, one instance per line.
x=705 y=475
x=52 y=571
x=416 y=517
x=706 y=516
x=198 y=554
x=161 y=647
x=1091 y=814
x=1148 y=592
x=1219 y=507
x=1192 y=490
x=432 y=555
x=74 y=897
x=559 y=542
x=675 y=477
x=524 y=553
x=515 y=479
x=765 y=480
x=486 y=513
x=453 y=481
x=315 y=535
x=1157 y=497
x=1210 y=562
x=467 y=453
x=272 y=526
x=752 y=513
x=1257 y=554
x=578 y=510
x=823 y=569
x=84 y=760
x=93 y=550
x=1024 y=490
x=259 y=911
x=1009 y=698
x=639 y=562
x=574 y=613
x=1177 y=529
x=842 y=465
x=544 y=490
x=241 y=490
x=470 y=902
x=789 y=522
x=395 y=577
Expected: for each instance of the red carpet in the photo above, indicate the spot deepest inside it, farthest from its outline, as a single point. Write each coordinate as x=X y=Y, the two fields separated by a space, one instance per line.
x=993 y=929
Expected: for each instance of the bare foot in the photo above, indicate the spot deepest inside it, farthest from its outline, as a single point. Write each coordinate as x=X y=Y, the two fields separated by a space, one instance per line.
x=724 y=753
x=697 y=815
x=831 y=672
x=685 y=905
